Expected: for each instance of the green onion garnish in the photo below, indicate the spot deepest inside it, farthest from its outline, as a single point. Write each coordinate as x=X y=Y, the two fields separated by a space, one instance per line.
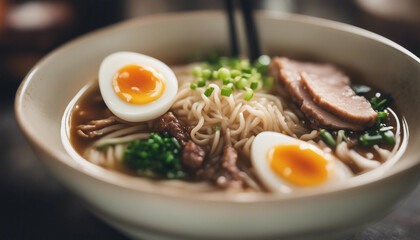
x=389 y=137
x=209 y=91
x=370 y=139
x=226 y=91
x=341 y=134
x=247 y=71
x=249 y=94
x=234 y=73
x=201 y=83
x=230 y=70
x=328 y=138
x=227 y=81
x=241 y=84
x=197 y=71
x=254 y=85
x=380 y=105
x=382 y=115
x=223 y=73
x=206 y=74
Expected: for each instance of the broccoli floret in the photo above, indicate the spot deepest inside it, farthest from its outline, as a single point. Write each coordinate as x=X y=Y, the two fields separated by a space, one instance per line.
x=155 y=157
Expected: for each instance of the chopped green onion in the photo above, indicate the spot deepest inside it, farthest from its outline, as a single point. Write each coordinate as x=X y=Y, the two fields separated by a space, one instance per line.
x=197 y=71
x=234 y=62
x=223 y=73
x=201 y=83
x=241 y=84
x=262 y=63
x=247 y=71
x=227 y=81
x=206 y=74
x=380 y=105
x=370 y=139
x=215 y=74
x=249 y=94
x=383 y=104
x=328 y=138
x=209 y=91
x=341 y=134
x=374 y=101
x=226 y=91
x=389 y=137
x=234 y=73
x=264 y=60
x=382 y=115
x=216 y=128
x=254 y=85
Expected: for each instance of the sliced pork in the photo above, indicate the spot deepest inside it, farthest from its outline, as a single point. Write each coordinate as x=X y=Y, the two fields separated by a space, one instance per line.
x=333 y=93
x=325 y=106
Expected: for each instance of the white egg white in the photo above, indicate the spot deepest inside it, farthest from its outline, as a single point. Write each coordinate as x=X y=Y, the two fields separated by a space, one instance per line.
x=133 y=112
x=266 y=140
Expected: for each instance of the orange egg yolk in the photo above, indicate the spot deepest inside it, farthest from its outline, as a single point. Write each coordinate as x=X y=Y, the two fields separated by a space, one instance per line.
x=304 y=166
x=138 y=84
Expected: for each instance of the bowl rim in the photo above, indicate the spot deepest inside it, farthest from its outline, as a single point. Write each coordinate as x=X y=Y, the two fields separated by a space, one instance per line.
x=132 y=183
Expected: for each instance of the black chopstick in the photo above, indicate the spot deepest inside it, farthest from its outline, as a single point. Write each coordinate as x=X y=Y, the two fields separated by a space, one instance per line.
x=234 y=48
x=251 y=32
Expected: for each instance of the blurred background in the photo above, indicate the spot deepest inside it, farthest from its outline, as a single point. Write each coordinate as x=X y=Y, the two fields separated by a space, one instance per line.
x=34 y=206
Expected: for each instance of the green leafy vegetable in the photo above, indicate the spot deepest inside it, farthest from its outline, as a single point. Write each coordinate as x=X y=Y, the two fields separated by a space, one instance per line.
x=380 y=132
x=388 y=136
x=379 y=104
x=155 y=157
x=369 y=139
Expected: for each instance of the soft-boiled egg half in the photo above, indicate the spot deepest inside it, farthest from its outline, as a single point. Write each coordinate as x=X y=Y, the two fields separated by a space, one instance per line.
x=136 y=87
x=285 y=164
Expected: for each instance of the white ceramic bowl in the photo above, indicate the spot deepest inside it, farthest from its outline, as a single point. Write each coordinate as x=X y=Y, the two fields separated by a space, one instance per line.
x=140 y=208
